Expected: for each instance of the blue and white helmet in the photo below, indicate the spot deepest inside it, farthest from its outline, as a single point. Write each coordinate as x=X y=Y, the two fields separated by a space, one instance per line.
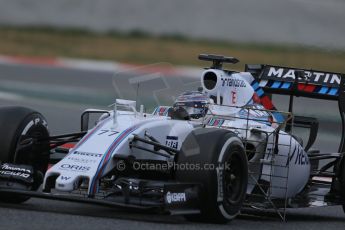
x=194 y=102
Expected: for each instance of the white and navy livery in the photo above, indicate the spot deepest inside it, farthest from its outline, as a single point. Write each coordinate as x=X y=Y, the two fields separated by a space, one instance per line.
x=157 y=161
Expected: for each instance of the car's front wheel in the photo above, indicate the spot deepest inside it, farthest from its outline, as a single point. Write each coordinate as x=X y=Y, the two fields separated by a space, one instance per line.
x=18 y=127
x=221 y=167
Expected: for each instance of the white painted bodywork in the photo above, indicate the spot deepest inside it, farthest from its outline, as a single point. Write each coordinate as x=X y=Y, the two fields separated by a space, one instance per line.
x=92 y=157
x=89 y=159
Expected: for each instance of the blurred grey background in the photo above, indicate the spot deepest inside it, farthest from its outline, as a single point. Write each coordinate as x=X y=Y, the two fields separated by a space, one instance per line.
x=319 y=23
x=278 y=32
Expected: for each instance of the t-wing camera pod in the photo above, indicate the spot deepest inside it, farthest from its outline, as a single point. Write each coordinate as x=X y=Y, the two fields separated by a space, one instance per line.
x=217 y=60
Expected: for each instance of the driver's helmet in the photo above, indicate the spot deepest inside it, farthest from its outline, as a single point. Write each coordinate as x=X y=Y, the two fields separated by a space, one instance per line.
x=194 y=102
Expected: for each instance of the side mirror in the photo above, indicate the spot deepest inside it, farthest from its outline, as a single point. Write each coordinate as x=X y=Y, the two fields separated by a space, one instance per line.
x=86 y=118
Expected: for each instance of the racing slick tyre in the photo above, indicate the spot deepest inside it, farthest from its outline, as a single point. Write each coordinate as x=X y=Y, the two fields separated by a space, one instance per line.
x=341 y=178
x=223 y=181
x=18 y=126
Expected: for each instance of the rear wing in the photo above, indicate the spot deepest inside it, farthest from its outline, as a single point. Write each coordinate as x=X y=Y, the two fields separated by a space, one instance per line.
x=298 y=82
x=302 y=82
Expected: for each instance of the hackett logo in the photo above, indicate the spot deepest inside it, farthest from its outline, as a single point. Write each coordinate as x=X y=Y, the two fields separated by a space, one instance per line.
x=313 y=77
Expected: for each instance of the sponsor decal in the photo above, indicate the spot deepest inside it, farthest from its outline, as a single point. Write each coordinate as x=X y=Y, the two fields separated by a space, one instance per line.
x=216 y=122
x=27 y=127
x=82 y=160
x=300 y=156
x=11 y=173
x=87 y=154
x=109 y=133
x=72 y=167
x=65 y=178
x=161 y=111
x=312 y=77
x=16 y=171
x=233 y=82
x=172 y=142
x=36 y=121
x=13 y=168
x=173 y=197
x=220 y=191
x=233 y=97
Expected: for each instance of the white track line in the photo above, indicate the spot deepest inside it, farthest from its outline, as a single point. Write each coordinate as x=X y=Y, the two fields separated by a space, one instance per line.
x=95 y=65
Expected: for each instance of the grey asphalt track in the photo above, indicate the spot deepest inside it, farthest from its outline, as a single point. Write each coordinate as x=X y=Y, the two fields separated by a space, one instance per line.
x=63 y=116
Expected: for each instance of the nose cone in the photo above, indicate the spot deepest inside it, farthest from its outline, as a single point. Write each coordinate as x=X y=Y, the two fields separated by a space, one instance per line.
x=67 y=183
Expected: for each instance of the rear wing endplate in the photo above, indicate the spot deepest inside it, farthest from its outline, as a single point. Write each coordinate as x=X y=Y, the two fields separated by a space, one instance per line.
x=298 y=82
x=304 y=83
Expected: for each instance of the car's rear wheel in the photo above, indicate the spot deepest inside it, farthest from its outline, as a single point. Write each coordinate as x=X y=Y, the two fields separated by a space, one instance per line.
x=20 y=125
x=341 y=179
x=223 y=185
x=340 y=172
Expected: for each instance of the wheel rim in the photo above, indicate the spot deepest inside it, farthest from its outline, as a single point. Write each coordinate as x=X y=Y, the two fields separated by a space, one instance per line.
x=233 y=180
x=24 y=157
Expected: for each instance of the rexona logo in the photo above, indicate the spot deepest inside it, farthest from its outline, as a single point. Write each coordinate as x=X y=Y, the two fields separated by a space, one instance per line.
x=172 y=197
x=87 y=154
x=314 y=77
x=75 y=167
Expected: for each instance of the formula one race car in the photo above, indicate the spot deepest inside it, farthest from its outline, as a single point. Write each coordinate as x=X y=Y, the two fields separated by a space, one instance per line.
x=214 y=152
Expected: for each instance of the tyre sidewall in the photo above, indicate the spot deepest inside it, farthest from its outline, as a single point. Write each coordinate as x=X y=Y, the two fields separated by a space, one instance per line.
x=232 y=147
x=215 y=146
x=34 y=123
x=17 y=124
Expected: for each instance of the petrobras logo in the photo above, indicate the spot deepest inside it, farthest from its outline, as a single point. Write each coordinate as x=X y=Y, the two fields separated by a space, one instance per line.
x=172 y=197
x=313 y=77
